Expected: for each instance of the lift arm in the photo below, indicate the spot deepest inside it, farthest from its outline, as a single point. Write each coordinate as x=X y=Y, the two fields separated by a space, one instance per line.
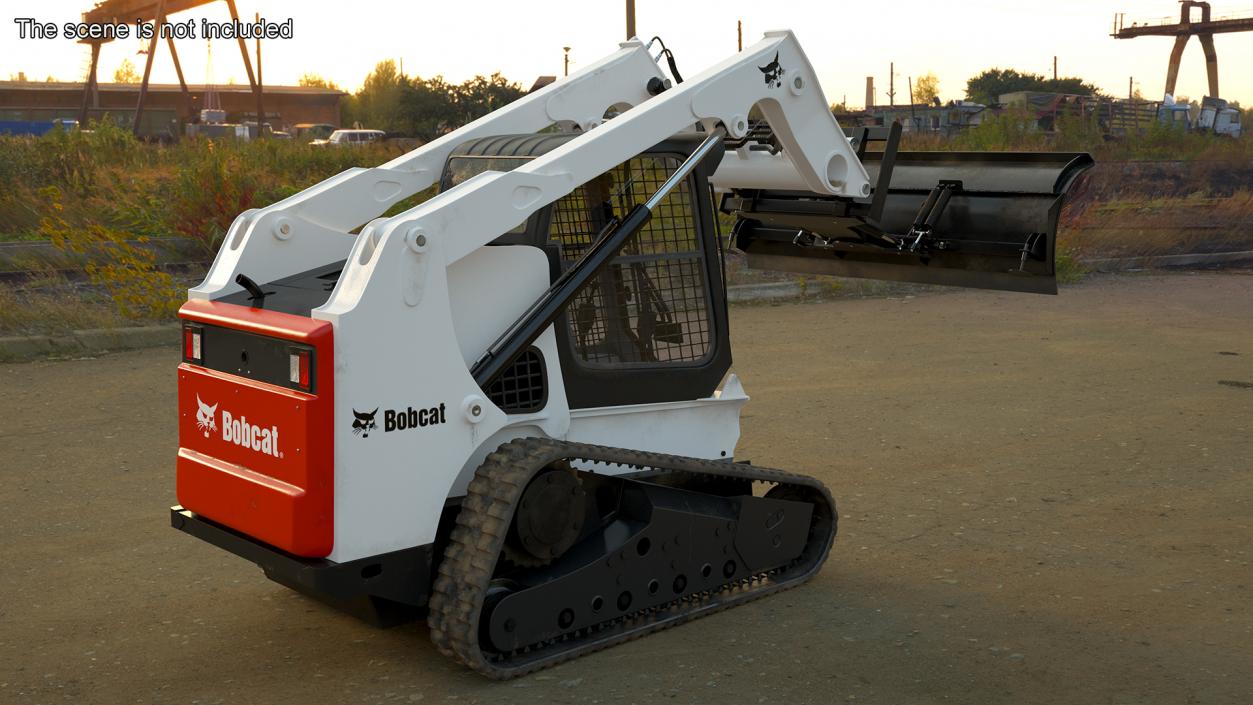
x=312 y=227
x=774 y=75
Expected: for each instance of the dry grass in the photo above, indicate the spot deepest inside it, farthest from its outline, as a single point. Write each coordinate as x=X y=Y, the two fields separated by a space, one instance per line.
x=50 y=304
x=1014 y=131
x=193 y=188
x=54 y=310
x=1142 y=209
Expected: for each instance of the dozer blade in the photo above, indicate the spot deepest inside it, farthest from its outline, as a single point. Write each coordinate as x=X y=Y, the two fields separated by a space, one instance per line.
x=977 y=219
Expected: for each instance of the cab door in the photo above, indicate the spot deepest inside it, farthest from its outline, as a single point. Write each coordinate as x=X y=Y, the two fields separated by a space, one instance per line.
x=652 y=326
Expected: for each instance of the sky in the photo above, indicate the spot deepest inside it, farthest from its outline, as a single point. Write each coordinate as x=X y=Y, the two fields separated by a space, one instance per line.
x=846 y=41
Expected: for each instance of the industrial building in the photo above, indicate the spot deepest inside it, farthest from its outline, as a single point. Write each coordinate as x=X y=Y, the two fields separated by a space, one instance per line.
x=946 y=119
x=167 y=109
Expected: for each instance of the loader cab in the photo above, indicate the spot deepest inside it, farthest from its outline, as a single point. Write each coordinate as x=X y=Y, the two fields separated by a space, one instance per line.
x=652 y=326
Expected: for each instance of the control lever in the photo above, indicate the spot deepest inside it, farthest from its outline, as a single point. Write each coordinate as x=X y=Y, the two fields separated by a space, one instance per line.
x=255 y=293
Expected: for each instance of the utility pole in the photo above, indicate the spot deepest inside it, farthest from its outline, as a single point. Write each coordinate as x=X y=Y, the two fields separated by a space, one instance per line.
x=892 y=84
x=913 y=117
x=566 y=70
x=1130 y=90
x=630 y=12
x=739 y=35
x=1055 y=68
x=260 y=110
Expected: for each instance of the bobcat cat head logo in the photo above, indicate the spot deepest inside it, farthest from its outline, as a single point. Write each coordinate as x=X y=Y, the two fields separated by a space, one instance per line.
x=364 y=422
x=773 y=72
x=206 y=417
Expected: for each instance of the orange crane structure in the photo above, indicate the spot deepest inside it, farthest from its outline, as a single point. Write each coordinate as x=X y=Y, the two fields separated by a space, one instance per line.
x=1204 y=29
x=155 y=11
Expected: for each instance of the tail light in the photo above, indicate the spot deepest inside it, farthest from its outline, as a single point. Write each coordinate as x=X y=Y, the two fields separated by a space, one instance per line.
x=263 y=358
x=301 y=363
x=192 y=350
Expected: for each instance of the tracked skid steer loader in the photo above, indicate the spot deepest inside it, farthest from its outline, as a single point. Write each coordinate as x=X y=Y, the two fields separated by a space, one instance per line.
x=510 y=409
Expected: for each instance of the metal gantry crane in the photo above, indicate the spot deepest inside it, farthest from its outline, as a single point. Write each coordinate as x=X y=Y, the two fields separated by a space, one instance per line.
x=1204 y=30
x=155 y=11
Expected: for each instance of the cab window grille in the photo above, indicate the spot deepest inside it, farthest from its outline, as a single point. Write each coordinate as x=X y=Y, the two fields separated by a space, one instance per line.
x=521 y=388
x=650 y=304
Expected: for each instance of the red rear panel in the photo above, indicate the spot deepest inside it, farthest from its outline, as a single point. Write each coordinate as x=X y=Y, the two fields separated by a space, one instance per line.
x=256 y=456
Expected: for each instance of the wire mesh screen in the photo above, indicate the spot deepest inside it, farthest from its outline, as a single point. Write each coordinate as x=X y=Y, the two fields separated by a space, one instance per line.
x=649 y=305
x=520 y=388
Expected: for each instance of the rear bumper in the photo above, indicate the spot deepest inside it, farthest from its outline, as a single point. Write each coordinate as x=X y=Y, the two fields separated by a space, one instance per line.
x=256 y=455
x=400 y=577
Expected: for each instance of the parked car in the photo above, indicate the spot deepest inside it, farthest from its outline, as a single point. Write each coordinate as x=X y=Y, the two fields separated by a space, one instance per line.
x=352 y=138
x=1217 y=116
x=266 y=129
x=313 y=130
x=218 y=131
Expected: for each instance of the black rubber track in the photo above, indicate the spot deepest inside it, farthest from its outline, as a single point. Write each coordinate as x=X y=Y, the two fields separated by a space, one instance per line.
x=479 y=534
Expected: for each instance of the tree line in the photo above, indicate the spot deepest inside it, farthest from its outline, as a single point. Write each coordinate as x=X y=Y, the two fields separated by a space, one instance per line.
x=412 y=106
x=392 y=101
x=987 y=86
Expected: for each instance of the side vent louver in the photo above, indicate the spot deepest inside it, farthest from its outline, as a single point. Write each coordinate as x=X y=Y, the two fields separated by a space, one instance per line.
x=521 y=388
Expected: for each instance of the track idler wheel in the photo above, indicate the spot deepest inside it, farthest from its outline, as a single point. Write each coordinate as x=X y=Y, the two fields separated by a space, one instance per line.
x=549 y=519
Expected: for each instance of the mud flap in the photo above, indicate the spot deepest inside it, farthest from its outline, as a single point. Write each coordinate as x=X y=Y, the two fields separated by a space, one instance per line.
x=976 y=219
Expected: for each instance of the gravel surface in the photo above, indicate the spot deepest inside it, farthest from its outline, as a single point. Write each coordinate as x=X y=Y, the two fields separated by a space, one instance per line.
x=1043 y=499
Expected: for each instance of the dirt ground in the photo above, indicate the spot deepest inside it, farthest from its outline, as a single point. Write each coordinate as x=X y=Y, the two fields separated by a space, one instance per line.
x=1043 y=500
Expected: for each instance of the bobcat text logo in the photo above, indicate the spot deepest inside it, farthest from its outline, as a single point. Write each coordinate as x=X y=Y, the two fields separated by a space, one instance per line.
x=205 y=420
x=773 y=72
x=399 y=419
x=364 y=422
x=394 y=420
x=237 y=430
x=246 y=435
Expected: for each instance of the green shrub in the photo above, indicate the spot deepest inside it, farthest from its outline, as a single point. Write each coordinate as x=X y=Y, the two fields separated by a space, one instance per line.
x=214 y=186
x=194 y=188
x=128 y=272
x=1067 y=268
x=99 y=191
x=1015 y=130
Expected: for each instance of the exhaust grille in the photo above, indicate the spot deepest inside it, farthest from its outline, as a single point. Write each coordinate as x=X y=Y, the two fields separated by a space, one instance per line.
x=521 y=388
